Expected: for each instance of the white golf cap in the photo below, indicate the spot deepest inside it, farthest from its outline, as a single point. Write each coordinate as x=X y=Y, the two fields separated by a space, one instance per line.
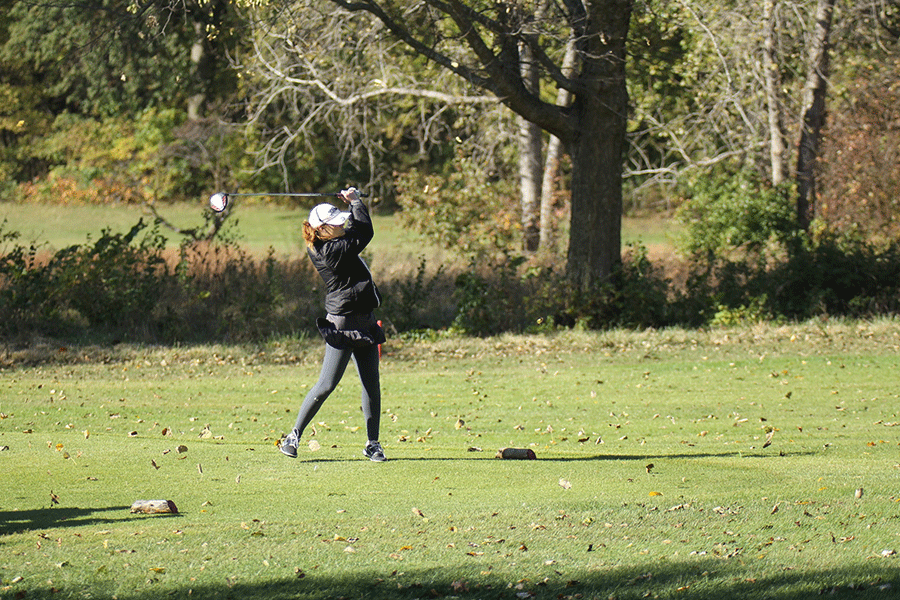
x=326 y=214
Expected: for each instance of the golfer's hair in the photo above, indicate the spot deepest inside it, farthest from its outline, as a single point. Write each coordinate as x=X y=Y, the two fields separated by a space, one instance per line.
x=322 y=233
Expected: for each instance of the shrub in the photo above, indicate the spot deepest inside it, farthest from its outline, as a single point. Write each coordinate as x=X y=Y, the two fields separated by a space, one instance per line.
x=464 y=211
x=123 y=287
x=728 y=212
x=415 y=303
x=636 y=295
x=488 y=297
x=109 y=285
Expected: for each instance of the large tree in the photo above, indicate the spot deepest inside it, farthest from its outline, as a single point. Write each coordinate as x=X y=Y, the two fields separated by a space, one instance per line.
x=482 y=43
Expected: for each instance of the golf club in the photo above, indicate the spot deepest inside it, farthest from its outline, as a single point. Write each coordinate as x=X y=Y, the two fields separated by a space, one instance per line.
x=219 y=201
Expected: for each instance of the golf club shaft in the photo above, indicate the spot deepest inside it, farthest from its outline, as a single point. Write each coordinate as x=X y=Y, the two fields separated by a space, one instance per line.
x=294 y=194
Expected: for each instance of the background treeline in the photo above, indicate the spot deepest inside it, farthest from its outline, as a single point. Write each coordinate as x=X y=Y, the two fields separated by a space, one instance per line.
x=150 y=103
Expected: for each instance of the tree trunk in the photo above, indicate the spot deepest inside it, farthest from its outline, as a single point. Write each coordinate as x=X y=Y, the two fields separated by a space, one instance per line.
x=813 y=115
x=196 y=100
x=548 y=183
x=595 y=238
x=777 y=149
x=530 y=151
x=551 y=162
x=596 y=148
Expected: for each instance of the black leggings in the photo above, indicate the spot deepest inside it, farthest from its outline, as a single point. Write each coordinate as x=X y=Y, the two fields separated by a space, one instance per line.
x=333 y=367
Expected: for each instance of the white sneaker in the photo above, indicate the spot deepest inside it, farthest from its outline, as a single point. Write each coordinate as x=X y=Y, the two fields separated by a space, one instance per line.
x=374 y=452
x=288 y=445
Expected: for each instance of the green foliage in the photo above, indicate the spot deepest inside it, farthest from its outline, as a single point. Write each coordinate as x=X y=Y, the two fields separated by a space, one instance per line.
x=635 y=296
x=724 y=212
x=754 y=312
x=465 y=211
x=488 y=297
x=158 y=156
x=835 y=276
x=22 y=125
x=414 y=303
x=824 y=276
x=107 y=58
x=110 y=285
x=123 y=286
x=87 y=95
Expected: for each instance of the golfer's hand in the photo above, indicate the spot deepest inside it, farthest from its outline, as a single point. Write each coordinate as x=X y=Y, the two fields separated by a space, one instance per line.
x=350 y=195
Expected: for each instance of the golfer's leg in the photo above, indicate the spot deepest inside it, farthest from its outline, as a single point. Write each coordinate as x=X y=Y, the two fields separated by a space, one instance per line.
x=333 y=367
x=366 y=360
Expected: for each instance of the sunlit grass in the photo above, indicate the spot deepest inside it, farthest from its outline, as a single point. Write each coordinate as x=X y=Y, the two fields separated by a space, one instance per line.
x=652 y=478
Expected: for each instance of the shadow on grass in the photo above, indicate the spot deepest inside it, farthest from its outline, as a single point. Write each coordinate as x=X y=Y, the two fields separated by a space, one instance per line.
x=707 y=579
x=46 y=518
x=477 y=456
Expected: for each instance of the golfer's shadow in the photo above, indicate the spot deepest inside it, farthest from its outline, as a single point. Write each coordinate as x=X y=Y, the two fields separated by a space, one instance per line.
x=16 y=521
x=478 y=456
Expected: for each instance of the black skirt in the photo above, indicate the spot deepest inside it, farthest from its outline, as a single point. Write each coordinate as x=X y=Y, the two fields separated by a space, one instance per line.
x=352 y=331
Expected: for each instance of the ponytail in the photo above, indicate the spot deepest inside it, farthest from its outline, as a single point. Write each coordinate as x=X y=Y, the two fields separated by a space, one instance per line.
x=322 y=233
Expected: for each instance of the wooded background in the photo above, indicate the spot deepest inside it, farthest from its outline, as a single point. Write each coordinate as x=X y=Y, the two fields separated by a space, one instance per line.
x=505 y=129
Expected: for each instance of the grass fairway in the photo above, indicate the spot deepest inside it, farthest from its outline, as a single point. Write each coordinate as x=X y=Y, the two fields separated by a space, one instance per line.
x=652 y=477
x=258 y=227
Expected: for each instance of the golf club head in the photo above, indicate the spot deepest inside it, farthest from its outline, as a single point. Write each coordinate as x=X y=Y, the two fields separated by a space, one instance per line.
x=218 y=202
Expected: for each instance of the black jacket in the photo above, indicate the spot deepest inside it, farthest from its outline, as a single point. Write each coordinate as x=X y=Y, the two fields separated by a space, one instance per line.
x=348 y=281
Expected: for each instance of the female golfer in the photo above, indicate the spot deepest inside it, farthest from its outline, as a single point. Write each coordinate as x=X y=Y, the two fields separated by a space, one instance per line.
x=334 y=240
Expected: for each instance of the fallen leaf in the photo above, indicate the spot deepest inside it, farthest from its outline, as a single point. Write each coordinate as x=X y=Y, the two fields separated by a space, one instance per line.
x=418 y=512
x=656 y=493
x=314 y=446
x=181 y=449
x=649 y=467
x=153 y=462
x=770 y=431
x=565 y=484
